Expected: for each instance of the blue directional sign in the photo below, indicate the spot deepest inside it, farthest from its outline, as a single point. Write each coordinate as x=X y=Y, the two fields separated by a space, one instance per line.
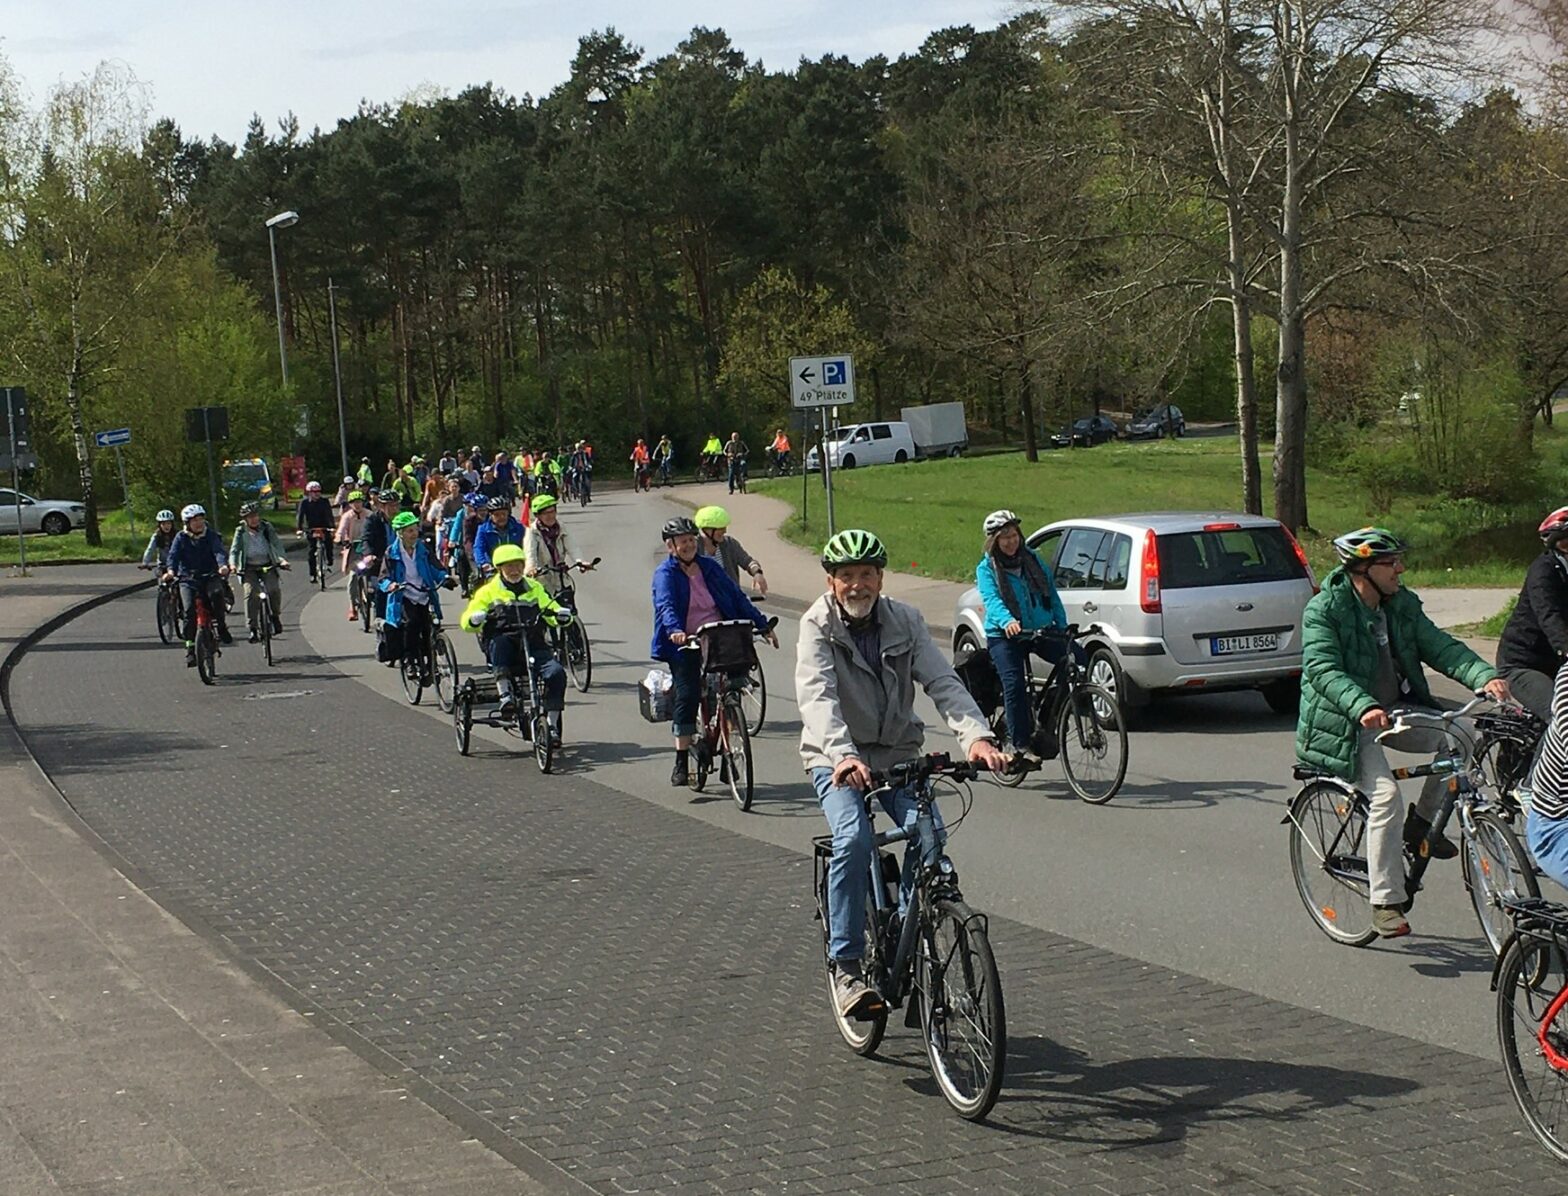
x=113 y=438
x=833 y=373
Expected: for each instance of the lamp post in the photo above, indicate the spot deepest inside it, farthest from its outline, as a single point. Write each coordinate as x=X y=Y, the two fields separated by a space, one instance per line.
x=337 y=374
x=281 y=220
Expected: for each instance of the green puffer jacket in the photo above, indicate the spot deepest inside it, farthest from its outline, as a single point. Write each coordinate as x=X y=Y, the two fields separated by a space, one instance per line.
x=1339 y=667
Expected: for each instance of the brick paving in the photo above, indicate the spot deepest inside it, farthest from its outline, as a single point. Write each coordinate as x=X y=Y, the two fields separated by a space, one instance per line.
x=637 y=997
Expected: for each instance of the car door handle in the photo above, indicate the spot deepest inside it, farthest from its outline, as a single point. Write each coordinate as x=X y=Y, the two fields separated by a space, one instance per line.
x=1090 y=607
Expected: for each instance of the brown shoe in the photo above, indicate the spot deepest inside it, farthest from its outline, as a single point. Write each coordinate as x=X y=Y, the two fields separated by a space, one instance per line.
x=1389 y=921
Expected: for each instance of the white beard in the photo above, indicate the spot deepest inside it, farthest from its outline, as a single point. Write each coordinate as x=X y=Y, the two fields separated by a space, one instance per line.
x=859 y=607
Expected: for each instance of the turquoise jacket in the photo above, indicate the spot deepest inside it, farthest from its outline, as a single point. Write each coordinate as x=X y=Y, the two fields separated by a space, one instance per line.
x=395 y=570
x=1035 y=611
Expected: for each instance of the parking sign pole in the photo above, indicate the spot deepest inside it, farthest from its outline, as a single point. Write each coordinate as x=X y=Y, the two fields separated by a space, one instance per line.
x=16 y=480
x=827 y=471
x=130 y=513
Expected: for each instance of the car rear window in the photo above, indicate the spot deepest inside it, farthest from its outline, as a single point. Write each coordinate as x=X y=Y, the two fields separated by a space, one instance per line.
x=1230 y=557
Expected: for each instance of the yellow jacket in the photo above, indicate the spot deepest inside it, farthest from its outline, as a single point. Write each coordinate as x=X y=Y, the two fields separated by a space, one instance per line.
x=496 y=590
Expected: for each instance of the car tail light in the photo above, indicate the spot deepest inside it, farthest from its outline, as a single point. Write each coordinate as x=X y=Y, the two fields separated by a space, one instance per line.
x=1302 y=557
x=1222 y=527
x=1149 y=581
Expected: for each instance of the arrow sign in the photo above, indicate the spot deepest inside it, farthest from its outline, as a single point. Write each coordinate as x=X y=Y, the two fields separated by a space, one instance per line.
x=113 y=438
x=837 y=380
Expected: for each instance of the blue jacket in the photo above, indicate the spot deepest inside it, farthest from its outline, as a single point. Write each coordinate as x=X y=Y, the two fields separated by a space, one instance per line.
x=190 y=556
x=1035 y=612
x=487 y=540
x=395 y=571
x=672 y=596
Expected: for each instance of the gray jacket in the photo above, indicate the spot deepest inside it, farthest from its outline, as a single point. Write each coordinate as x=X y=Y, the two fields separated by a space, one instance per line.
x=847 y=709
x=732 y=556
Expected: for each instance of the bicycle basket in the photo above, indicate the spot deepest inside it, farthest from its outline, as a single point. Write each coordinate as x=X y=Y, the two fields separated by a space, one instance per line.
x=978 y=673
x=510 y=618
x=727 y=647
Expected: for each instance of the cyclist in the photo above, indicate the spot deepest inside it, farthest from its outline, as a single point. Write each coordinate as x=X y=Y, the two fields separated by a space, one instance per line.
x=345 y=488
x=447 y=463
x=512 y=584
x=256 y=546
x=375 y=537
x=1019 y=595
x=780 y=450
x=545 y=544
x=688 y=591
x=447 y=503
x=498 y=528
x=416 y=465
x=411 y=595
x=715 y=540
x=156 y=555
x=407 y=488
x=639 y=461
x=664 y=459
x=315 y=514
x=1364 y=638
x=505 y=474
x=364 y=476
x=1535 y=640
x=197 y=559
x=711 y=452
x=351 y=531
x=1546 y=828
x=582 y=467
x=735 y=453
x=859 y=659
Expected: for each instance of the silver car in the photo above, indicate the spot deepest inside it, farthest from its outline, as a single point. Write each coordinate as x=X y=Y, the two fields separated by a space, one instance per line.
x=1186 y=602
x=39 y=514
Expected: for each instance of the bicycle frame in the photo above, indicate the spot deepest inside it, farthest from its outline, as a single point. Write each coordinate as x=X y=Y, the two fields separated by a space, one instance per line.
x=931 y=865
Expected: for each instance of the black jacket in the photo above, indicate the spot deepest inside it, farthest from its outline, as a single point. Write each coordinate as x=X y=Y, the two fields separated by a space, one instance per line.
x=1536 y=636
x=314 y=512
x=376 y=534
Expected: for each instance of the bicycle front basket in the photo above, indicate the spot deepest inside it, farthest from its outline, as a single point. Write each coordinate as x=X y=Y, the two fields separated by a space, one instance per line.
x=727 y=647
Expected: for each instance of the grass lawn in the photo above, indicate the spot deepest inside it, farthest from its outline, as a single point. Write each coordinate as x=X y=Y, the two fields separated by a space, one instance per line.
x=929 y=513
x=118 y=543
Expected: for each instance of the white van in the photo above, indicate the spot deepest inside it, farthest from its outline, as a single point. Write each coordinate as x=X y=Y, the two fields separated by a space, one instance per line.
x=853 y=445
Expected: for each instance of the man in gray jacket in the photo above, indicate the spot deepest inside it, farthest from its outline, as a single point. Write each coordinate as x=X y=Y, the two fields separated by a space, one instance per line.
x=859 y=660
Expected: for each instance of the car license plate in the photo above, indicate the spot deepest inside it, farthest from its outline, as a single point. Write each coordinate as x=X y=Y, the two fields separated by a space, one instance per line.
x=1227 y=645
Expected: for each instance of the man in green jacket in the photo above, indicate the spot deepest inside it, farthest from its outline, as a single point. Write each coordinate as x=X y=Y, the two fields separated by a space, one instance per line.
x=1364 y=639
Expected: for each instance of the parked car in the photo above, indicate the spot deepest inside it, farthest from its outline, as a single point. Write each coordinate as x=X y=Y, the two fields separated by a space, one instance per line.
x=867 y=444
x=1164 y=420
x=51 y=516
x=1086 y=432
x=1185 y=602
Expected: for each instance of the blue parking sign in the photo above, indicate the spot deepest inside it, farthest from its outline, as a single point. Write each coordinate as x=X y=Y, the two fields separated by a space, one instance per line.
x=833 y=373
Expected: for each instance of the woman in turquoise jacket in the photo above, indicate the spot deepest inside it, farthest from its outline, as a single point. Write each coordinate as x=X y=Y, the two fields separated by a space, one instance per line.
x=412 y=581
x=1019 y=596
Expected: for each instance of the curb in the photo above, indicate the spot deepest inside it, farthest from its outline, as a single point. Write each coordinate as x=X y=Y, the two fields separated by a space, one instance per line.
x=535 y=1166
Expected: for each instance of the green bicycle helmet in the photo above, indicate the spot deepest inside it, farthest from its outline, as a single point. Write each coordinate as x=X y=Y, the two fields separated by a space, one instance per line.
x=1367 y=544
x=853 y=547
x=542 y=504
x=712 y=517
x=406 y=519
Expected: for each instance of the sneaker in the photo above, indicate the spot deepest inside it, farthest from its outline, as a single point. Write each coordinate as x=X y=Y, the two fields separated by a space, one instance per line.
x=852 y=996
x=680 y=775
x=353 y=615
x=1389 y=921
x=508 y=707
x=254 y=637
x=1418 y=828
x=190 y=656
x=225 y=638
x=277 y=627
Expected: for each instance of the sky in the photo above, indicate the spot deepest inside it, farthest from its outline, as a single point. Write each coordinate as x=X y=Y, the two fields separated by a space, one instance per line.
x=210 y=65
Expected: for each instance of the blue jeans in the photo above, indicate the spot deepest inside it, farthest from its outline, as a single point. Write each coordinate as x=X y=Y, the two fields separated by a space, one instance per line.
x=686 y=674
x=737 y=471
x=1011 y=658
x=1548 y=842
x=850 y=867
x=502 y=651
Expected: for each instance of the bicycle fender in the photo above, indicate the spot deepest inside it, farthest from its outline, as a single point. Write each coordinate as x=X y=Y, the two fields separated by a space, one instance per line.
x=1497 y=965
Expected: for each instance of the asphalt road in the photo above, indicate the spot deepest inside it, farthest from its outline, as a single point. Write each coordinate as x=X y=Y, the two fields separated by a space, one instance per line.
x=636 y=996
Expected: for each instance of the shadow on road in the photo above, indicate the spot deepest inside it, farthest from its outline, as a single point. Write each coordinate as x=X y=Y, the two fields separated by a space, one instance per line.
x=1445 y=957
x=84 y=747
x=56 y=645
x=1055 y=1092
x=1194 y=795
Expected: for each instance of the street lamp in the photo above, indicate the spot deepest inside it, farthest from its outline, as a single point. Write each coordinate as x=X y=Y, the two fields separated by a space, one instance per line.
x=281 y=220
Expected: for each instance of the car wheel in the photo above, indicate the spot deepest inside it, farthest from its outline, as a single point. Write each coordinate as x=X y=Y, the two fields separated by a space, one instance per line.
x=1284 y=697
x=955 y=451
x=848 y=462
x=900 y=457
x=1105 y=672
x=56 y=524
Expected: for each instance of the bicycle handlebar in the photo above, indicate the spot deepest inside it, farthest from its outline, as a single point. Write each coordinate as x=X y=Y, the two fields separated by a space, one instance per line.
x=922 y=768
x=1071 y=632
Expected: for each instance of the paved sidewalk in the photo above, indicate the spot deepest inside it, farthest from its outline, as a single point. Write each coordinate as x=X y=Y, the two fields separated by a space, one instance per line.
x=795 y=576
x=134 y=1057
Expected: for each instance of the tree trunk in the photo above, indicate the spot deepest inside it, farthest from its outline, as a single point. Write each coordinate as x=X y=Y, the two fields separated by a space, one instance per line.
x=1026 y=410
x=73 y=406
x=1246 y=378
x=1290 y=397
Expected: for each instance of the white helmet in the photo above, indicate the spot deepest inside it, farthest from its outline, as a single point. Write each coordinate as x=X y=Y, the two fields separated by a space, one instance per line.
x=312 y=487
x=164 y=516
x=190 y=512
x=997 y=520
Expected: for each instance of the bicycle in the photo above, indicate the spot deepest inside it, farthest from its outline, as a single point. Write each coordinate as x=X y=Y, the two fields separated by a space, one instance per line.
x=1328 y=837
x=361 y=589
x=939 y=953
x=264 y=602
x=584 y=486
x=663 y=468
x=570 y=643
x=708 y=469
x=740 y=476
x=207 y=649
x=168 y=613
x=640 y=478
x=1531 y=983
x=430 y=661
x=728 y=652
x=527 y=718
x=780 y=465
x=320 y=558
x=1074 y=719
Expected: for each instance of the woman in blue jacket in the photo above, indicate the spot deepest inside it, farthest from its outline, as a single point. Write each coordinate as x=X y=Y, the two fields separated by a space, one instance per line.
x=676 y=618
x=1019 y=596
x=412 y=581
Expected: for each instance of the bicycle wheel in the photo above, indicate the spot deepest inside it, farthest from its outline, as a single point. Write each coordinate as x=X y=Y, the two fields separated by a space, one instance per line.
x=361 y=600
x=735 y=746
x=1093 y=741
x=701 y=760
x=165 y=618
x=206 y=656
x=754 y=699
x=1496 y=866
x=544 y=754
x=445 y=671
x=579 y=656
x=266 y=632
x=1529 y=978
x=463 y=719
x=961 y=1009
x=861 y=1035
x=1328 y=858
x=413 y=670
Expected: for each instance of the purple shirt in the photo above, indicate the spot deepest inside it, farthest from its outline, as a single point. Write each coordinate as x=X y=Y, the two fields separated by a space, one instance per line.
x=702 y=608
